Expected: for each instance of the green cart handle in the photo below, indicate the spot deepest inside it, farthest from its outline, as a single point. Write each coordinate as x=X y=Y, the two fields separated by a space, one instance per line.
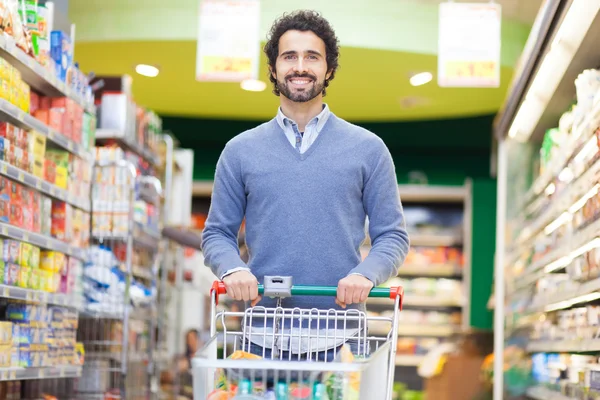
x=392 y=293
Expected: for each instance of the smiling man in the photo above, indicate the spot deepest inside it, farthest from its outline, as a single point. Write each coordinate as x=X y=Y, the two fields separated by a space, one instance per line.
x=305 y=182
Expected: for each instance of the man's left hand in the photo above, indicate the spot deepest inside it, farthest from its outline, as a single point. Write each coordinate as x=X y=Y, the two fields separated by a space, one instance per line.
x=353 y=289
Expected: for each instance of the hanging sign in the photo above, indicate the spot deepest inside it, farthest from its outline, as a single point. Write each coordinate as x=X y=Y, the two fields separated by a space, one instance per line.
x=228 y=40
x=469 y=45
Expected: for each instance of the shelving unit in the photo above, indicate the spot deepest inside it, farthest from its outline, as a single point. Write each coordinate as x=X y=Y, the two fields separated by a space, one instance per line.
x=42 y=81
x=544 y=298
x=427 y=211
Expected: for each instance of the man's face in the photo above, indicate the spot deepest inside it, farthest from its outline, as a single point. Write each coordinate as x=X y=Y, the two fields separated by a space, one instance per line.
x=301 y=68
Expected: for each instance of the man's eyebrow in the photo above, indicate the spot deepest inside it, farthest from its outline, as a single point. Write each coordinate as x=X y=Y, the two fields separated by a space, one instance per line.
x=294 y=52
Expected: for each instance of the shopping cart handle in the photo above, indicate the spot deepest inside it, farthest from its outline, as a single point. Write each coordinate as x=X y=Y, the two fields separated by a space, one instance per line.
x=393 y=292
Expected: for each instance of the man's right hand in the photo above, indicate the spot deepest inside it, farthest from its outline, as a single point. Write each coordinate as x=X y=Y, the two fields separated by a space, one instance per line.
x=242 y=286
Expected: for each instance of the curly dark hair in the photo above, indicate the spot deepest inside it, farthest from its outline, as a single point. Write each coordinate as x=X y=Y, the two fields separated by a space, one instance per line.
x=303 y=20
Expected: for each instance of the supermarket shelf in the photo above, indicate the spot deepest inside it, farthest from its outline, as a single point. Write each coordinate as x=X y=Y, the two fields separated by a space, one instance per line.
x=438 y=271
x=42 y=186
x=564 y=346
x=36 y=296
x=563 y=249
x=575 y=191
x=20 y=118
x=409 y=360
x=36 y=75
x=423 y=239
x=137 y=314
x=432 y=193
x=109 y=134
x=563 y=300
x=581 y=134
x=43 y=241
x=542 y=393
x=19 y=374
x=418 y=301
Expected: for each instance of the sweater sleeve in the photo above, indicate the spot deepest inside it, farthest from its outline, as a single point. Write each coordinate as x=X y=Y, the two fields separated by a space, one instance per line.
x=387 y=227
x=228 y=205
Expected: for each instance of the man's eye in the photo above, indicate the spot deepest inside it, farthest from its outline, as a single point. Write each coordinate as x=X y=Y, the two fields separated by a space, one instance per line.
x=290 y=57
x=312 y=57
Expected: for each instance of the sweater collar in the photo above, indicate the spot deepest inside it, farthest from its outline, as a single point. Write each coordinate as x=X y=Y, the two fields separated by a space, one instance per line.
x=320 y=119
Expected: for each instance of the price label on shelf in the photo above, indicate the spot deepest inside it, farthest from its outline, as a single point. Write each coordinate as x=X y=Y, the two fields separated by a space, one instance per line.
x=62 y=372
x=5 y=292
x=4 y=230
x=25 y=236
x=3 y=168
x=38 y=185
x=70 y=146
x=42 y=373
x=48 y=243
x=4 y=375
x=29 y=296
x=21 y=116
x=44 y=297
x=13 y=375
x=21 y=176
x=51 y=134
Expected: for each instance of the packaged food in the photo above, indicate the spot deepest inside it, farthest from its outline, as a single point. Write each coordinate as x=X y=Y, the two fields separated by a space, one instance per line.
x=11 y=274
x=24 y=277
x=6 y=332
x=24 y=356
x=34 y=279
x=11 y=251
x=25 y=258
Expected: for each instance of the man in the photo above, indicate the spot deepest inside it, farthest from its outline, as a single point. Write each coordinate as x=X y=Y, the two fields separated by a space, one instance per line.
x=305 y=183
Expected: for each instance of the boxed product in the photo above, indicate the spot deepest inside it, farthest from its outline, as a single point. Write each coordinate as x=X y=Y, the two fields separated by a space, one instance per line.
x=11 y=274
x=53 y=261
x=11 y=251
x=60 y=52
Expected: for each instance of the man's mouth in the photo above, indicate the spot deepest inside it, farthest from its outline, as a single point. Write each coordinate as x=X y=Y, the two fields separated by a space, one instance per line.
x=300 y=81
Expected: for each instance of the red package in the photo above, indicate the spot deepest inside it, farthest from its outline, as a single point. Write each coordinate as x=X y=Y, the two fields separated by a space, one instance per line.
x=36 y=208
x=56 y=119
x=10 y=155
x=16 y=214
x=22 y=139
x=42 y=116
x=58 y=229
x=67 y=128
x=49 y=171
x=27 y=219
x=27 y=197
x=16 y=191
x=5 y=188
x=34 y=102
x=45 y=103
x=25 y=164
x=58 y=102
x=4 y=210
x=6 y=130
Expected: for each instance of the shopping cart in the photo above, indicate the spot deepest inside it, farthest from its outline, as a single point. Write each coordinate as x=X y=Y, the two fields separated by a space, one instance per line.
x=302 y=353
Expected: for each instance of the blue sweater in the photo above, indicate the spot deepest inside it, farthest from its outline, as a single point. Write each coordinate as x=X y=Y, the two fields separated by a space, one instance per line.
x=305 y=213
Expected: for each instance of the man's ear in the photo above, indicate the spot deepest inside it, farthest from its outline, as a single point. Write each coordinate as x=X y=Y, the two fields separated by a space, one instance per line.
x=272 y=72
x=329 y=73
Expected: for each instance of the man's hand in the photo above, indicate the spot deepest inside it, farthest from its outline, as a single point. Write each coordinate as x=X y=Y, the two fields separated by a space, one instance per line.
x=242 y=286
x=353 y=289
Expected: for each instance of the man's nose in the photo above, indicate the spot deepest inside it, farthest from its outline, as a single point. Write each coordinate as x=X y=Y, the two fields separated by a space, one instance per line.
x=300 y=66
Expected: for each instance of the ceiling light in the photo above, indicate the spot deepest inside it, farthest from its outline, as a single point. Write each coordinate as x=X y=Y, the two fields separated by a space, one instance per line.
x=421 y=78
x=146 y=70
x=253 y=85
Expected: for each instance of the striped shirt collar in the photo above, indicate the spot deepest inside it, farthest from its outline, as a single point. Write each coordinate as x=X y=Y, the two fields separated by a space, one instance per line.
x=320 y=119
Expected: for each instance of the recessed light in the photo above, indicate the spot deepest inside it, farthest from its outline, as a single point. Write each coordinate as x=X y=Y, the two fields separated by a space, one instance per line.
x=421 y=78
x=253 y=85
x=147 y=70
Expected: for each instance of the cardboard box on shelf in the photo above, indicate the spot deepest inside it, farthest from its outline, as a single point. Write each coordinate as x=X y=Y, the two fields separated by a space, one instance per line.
x=459 y=379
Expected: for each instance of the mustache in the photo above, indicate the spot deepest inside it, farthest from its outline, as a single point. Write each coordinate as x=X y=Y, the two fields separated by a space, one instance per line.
x=292 y=76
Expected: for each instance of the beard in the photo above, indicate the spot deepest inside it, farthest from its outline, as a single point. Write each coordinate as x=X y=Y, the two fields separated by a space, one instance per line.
x=300 y=96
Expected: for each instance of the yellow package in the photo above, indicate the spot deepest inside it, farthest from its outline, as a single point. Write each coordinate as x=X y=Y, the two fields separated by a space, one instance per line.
x=35 y=257
x=243 y=355
x=52 y=261
x=24 y=277
x=62 y=177
x=34 y=279
x=6 y=332
x=26 y=250
x=37 y=145
x=5 y=355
